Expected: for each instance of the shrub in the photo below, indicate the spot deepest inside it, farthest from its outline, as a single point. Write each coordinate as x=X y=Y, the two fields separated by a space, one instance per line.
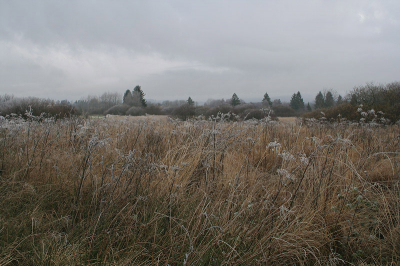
x=201 y=110
x=184 y=111
x=153 y=109
x=135 y=111
x=347 y=111
x=167 y=110
x=224 y=109
x=283 y=110
x=258 y=114
x=120 y=109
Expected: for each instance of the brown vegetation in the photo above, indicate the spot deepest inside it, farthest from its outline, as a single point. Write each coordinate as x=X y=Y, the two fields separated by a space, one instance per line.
x=147 y=192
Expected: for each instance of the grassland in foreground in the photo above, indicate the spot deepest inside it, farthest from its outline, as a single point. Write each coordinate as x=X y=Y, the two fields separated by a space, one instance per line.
x=156 y=192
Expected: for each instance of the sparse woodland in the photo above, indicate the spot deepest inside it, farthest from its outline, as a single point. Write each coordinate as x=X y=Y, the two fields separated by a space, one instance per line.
x=128 y=191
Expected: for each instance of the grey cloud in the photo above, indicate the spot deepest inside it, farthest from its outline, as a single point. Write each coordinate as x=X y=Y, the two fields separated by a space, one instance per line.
x=203 y=48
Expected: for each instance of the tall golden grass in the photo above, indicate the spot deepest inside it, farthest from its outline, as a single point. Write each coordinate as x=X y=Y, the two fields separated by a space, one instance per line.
x=157 y=192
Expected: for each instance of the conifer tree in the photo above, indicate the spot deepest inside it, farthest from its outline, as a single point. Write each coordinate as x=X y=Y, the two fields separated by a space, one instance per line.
x=141 y=94
x=235 y=100
x=296 y=102
x=309 y=109
x=190 y=101
x=319 y=100
x=127 y=99
x=267 y=100
x=339 y=100
x=329 y=101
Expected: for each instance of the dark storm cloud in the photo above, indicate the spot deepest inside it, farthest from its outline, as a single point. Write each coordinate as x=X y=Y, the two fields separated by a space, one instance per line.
x=68 y=49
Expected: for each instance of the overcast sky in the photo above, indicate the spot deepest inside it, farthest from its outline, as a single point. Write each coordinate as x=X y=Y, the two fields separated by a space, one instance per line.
x=203 y=49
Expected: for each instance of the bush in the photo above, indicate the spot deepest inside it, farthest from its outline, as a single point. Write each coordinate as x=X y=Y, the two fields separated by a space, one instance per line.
x=153 y=109
x=224 y=109
x=201 y=110
x=354 y=113
x=184 y=111
x=256 y=114
x=135 y=111
x=120 y=109
x=283 y=110
x=384 y=98
x=345 y=110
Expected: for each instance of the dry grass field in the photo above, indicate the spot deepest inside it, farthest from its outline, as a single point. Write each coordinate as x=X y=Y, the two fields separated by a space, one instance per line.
x=165 y=192
x=287 y=119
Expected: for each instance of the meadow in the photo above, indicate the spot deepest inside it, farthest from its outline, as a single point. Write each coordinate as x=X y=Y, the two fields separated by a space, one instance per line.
x=106 y=191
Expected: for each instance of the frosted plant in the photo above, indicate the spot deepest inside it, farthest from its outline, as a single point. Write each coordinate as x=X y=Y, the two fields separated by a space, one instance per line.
x=274 y=144
x=304 y=159
x=286 y=156
x=284 y=173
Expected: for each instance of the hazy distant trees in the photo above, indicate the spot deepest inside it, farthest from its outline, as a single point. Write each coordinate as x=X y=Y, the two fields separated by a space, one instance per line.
x=10 y=105
x=235 y=100
x=175 y=103
x=98 y=105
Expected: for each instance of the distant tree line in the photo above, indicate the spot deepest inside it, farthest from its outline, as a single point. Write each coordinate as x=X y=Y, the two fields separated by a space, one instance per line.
x=384 y=98
x=32 y=106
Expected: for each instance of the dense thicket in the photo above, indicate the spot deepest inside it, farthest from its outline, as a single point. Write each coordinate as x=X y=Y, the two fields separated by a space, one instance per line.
x=378 y=103
x=11 y=106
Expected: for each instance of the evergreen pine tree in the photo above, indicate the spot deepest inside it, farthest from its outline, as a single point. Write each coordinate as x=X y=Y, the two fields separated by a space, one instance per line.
x=127 y=99
x=309 y=109
x=296 y=102
x=319 y=101
x=329 y=101
x=339 y=100
x=141 y=94
x=300 y=101
x=190 y=101
x=267 y=100
x=235 y=100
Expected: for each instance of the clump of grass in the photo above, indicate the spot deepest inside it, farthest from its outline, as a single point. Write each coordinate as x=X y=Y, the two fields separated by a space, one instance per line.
x=123 y=191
